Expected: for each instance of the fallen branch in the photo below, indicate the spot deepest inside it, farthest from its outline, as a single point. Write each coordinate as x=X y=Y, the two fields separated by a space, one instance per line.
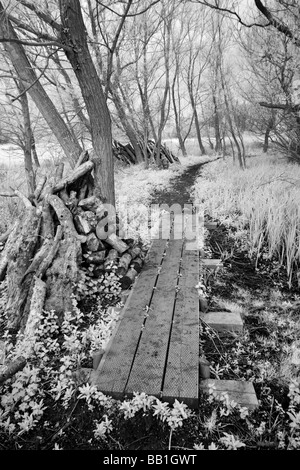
x=6 y=234
x=39 y=256
x=4 y=257
x=39 y=188
x=36 y=308
x=16 y=193
x=51 y=254
x=8 y=195
x=59 y=171
x=65 y=217
x=77 y=173
x=12 y=368
x=83 y=157
x=23 y=198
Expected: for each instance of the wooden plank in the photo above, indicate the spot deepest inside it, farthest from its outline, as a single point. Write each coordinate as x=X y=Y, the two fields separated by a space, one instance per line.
x=182 y=376
x=224 y=321
x=211 y=263
x=178 y=227
x=149 y=363
x=115 y=366
x=194 y=233
x=165 y=225
x=241 y=392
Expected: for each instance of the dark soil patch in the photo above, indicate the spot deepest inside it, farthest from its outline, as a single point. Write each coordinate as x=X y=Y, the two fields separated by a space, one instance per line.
x=240 y=272
x=179 y=192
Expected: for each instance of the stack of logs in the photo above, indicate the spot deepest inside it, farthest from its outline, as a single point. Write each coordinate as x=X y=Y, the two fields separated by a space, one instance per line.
x=64 y=228
x=126 y=153
x=105 y=245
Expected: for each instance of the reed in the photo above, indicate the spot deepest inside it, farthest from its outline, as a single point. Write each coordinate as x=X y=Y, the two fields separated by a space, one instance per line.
x=264 y=199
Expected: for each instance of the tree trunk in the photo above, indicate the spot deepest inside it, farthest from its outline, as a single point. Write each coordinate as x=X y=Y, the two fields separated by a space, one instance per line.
x=177 y=117
x=28 y=138
x=218 y=145
x=129 y=131
x=163 y=111
x=63 y=272
x=24 y=244
x=34 y=152
x=74 y=35
x=269 y=128
x=197 y=123
x=30 y=81
x=241 y=158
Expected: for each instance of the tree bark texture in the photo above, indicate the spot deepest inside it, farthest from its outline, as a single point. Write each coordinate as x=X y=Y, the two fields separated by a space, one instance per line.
x=74 y=35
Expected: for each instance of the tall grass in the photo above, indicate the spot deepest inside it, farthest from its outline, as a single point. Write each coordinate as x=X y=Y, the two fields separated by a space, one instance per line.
x=264 y=199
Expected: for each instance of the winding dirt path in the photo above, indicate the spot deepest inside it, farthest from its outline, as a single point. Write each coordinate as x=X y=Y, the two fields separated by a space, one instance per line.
x=180 y=189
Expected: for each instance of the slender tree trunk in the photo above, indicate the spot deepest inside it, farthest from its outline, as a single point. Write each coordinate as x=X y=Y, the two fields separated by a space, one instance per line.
x=230 y=123
x=34 y=152
x=269 y=128
x=223 y=144
x=197 y=123
x=27 y=148
x=232 y=149
x=163 y=111
x=126 y=125
x=218 y=145
x=74 y=35
x=177 y=117
x=30 y=81
x=198 y=132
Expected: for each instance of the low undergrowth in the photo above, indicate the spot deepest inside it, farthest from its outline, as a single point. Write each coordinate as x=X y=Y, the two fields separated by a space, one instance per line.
x=48 y=405
x=267 y=353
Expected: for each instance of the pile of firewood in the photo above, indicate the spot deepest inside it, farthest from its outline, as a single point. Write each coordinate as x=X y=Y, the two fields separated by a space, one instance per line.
x=166 y=155
x=126 y=153
x=105 y=247
x=64 y=229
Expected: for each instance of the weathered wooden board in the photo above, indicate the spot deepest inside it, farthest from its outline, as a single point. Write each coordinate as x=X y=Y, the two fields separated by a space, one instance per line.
x=150 y=360
x=224 y=321
x=155 y=347
x=182 y=377
x=114 y=368
x=242 y=393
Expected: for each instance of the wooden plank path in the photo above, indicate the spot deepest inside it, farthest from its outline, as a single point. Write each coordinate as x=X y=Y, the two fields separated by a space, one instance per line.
x=155 y=348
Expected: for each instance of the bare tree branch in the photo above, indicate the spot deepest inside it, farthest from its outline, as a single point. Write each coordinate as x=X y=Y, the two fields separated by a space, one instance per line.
x=285 y=107
x=42 y=15
x=20 y=25
x=231 y=12
x=43 y=71
x=114 y=44
x=131 y=14
x=35 y=43
x=283 y=28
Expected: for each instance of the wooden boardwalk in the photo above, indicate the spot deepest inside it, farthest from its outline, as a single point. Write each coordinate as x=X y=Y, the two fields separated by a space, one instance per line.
x=155 y=347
